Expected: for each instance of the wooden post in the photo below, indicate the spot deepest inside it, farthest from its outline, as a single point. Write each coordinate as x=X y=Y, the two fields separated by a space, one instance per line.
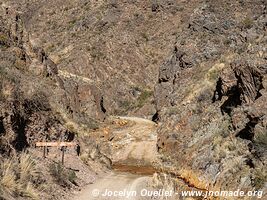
x=44 y=152
x=63 y=146
x=63 y=151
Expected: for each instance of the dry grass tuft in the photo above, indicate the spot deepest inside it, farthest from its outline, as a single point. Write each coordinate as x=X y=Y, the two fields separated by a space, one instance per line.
x=27 y=167
x=17 y=175
x=8 y=183
x=30 y=191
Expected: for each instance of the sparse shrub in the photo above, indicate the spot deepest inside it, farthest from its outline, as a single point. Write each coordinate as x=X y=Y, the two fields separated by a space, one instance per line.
x=84 y=157
x=247 y=23
x=72 y=177
x=260 y=178
x=2 y=73
x=17 y=176
x=8 y=179
x=3 y=40
x=205 y=95
x=38 y=102
x=261 y=139
x=96 y=53
x=126 y=105
x=145 y=36
x=87 y=7
x=27 y=167
x=61 y=175
x=224 y=127
x=145 y=94
x=20 y=64
x=173 y=111
x=231 y=147
x=213 y=75
x=30 y=191
x=72 y=22
x=92 y=124
x=50 y=48
x=119 y=112
x=227 y=42
x=57 y=171
x=71 y=127
x=7 y=74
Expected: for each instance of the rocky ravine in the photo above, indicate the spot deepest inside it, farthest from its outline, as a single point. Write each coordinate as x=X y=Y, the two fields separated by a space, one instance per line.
x=210 y=95
x=34 y=106
x=105 y=41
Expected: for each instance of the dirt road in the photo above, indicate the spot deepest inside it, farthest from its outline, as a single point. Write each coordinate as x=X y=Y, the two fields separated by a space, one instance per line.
x=129 y=185
x=133 y=149
x=135 y=144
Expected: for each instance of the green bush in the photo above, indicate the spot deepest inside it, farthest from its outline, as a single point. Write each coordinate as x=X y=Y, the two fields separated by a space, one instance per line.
x=247 y=23
x=213 y=74
x=61 y=175
x=145 y=94
x=93 y=124
x=126 y=105
x=145 y=36
x=260 y=178
x=205 y=95
x=3 y=40
x=72 y=177
x=173 y=111
x=261 y=139
x=2 y=72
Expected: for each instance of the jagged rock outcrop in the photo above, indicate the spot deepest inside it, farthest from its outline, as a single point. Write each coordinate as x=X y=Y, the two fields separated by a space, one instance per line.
x=241 y=84
x=210 y=93
x=117 y=52
x=26 y=110
x=211 y=125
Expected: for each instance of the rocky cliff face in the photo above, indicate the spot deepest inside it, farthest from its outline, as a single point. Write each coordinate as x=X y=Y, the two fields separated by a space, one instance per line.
x=34 y=106
x=106 y=48
x=28 y=81
x=210 y=95
x=197 y=67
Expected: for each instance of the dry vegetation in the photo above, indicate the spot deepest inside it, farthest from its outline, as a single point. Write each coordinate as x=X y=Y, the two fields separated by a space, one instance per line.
x=115 y=47
x=19 y=176
x=64 y=177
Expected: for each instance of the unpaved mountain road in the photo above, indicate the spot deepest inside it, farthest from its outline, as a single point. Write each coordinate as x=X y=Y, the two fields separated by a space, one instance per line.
x=132 y=149
x=134 y=144
x=129 y=186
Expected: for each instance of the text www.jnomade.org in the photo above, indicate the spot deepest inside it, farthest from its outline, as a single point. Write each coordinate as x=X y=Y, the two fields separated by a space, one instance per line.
x=169 y=193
